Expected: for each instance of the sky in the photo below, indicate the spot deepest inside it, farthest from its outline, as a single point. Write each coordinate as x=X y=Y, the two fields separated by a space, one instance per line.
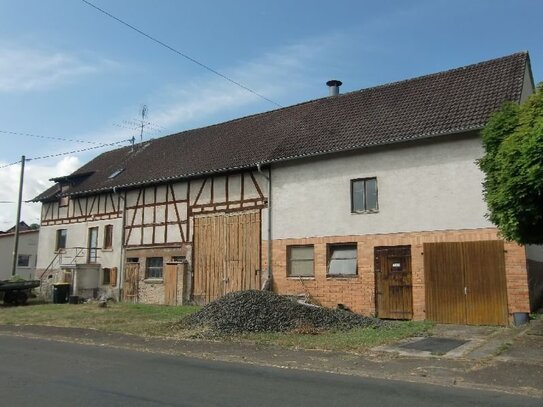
x=68 y=71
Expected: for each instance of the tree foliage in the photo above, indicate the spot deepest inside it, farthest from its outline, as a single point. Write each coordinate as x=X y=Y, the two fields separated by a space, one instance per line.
x=513 y=168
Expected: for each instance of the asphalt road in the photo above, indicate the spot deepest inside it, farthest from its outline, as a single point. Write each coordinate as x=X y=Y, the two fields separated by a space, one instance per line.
x=37 y=372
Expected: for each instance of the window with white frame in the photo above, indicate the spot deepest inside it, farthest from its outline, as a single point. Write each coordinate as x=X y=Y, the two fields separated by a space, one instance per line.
x=342 y=259
x=23 y=260
x=301 y=261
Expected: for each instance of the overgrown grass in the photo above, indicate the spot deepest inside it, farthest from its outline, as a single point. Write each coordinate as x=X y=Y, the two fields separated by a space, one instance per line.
x=354 y=340
x=162 y=321
x=139 y=319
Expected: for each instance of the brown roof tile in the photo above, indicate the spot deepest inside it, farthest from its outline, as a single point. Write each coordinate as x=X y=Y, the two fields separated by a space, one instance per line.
x=448 y=102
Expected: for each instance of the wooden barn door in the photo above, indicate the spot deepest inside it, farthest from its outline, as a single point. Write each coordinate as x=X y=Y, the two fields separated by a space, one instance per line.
x=465 y=282
x=226 y=255
x=393 y=281
x=170 y=283
x=131 y=278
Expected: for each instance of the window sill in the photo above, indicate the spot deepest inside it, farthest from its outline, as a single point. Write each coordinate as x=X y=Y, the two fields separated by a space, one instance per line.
x=341 y=276
x=365 y=212
x=300 y=278
x=153 y=281
x=60 y=251
x=107 y=250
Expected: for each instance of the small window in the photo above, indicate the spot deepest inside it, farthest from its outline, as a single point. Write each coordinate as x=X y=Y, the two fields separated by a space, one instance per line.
x=132 y=260
x=23 y=260
x=116 y=173
x=301 y=261
x=106 y=276
x=64 y=201
x=108 y=237
x=364 y=195
x=179 y=259
x=61 y=239
x=342 y=259
x=153 y=267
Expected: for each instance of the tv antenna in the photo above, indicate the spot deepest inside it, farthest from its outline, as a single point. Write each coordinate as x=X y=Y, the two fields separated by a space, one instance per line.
x=143 y=117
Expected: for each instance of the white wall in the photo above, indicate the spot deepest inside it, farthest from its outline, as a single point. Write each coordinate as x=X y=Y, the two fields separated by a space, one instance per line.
x=77 y=236
x=28 y=244
x=430 y=185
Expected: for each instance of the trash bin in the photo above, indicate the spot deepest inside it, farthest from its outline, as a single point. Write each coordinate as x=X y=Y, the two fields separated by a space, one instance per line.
x=61 y=292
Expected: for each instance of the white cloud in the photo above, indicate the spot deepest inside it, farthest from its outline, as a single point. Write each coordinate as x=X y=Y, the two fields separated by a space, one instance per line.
x=25 y=69
x=36 y=180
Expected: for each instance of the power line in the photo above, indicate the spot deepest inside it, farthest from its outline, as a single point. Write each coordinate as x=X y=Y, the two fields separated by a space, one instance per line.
x=77 y=151
x=48 y=137
x=181 y=53
x=81 y=150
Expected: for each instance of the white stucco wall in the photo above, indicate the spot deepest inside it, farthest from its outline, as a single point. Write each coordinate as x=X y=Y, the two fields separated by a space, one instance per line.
x=423 y=186
x=28 y=244
x=77 y=236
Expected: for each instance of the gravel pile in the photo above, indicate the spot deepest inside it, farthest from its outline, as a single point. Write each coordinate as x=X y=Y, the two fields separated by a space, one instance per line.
x=264 y=311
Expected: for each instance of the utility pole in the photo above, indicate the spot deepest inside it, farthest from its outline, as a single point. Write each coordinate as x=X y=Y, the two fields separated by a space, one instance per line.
x=19 y=202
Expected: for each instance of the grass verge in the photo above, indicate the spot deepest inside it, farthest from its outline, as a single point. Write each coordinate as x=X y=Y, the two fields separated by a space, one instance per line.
x=354 y=340
x=162 y=321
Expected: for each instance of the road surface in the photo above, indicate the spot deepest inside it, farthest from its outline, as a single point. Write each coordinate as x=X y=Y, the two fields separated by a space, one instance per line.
x=38 y=372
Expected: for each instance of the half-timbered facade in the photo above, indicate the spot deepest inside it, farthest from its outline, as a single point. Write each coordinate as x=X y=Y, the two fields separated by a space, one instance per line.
x=359 y=200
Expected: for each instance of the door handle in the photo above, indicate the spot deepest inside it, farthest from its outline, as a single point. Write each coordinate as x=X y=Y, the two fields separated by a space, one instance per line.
x=465 y=290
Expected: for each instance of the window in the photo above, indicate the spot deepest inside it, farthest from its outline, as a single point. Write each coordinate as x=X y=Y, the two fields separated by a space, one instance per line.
x=106 y=276
x=23 y=260
x=342 y=259
x=364 y=195
x=93 y=245
x=300 y=261
x=64 y=201
x=132 y=260
x=153 y=267
x=108 y=237
x=179 y=259
x=61 y=239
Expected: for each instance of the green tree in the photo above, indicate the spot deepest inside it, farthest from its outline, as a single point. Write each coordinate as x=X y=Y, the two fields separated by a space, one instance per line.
x=513 y=168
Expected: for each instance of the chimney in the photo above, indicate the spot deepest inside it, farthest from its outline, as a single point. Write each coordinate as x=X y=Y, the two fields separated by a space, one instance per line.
x=334 y=85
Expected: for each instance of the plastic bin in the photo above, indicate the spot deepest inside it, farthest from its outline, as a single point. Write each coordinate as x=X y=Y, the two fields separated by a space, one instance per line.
x=61 y=291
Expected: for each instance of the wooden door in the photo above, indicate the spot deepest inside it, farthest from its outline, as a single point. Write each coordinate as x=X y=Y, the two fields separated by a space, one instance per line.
x=131 y=280
x=444 y=274
x=486 y=290
x=465 y=282
x=393 y=280
x=226 y=255
x=170 y=284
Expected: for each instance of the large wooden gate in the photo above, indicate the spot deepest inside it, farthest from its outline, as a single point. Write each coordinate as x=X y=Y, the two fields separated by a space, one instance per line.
x=226 y=254
x=465 y=282
x=393 y=282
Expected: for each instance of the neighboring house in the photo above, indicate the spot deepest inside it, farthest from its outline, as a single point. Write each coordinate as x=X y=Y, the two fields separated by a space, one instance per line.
x=27 y=252
x=375 y=196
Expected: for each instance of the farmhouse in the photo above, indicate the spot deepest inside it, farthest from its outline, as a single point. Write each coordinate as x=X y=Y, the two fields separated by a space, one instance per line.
x=370 y=199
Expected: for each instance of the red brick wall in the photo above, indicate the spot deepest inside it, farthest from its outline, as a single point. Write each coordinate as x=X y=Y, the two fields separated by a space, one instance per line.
x=358 y=292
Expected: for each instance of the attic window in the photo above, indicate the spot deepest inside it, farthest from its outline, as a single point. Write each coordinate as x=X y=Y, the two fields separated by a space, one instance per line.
x=116 y=173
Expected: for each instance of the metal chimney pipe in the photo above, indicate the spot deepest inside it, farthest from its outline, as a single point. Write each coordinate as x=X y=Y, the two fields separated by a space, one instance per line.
x=334 y=85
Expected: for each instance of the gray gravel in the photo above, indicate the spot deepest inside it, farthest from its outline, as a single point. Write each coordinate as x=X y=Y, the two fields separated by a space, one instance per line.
x=264 y=311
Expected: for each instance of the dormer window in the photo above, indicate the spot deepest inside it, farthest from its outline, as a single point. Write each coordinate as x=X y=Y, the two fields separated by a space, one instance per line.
x=64 y=200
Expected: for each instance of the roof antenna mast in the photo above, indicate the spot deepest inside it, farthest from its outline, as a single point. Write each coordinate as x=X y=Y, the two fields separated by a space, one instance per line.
x=143 y=123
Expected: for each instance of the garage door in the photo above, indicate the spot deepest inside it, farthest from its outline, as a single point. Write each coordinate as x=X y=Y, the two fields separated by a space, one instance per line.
x=226 y=255
x=465 y=282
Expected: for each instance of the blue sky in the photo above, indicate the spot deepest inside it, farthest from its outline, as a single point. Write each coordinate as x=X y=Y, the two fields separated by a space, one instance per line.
x=68 y=71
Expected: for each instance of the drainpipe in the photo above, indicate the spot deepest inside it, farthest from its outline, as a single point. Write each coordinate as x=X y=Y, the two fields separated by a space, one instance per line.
x=267 y=285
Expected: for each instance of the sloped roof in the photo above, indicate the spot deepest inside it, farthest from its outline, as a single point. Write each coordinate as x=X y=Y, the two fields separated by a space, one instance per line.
x=447 y=102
